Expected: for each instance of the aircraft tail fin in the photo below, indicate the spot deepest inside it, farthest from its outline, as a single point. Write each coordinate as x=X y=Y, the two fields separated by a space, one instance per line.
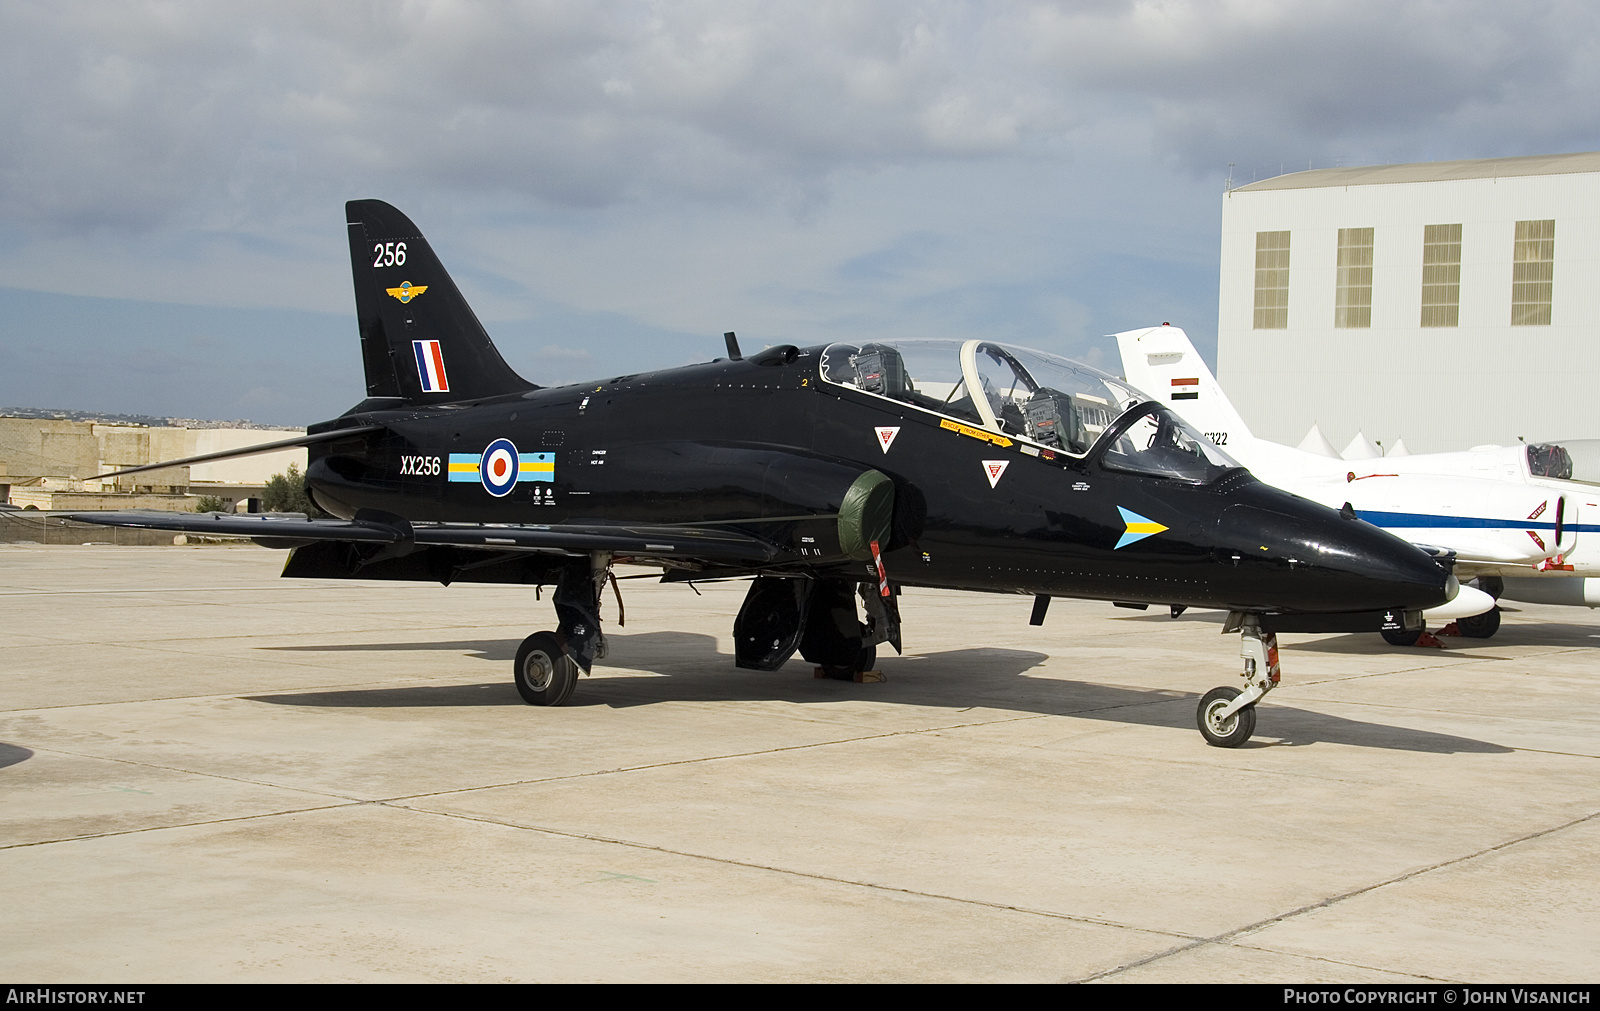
x=420 y=341
x=1162 y=361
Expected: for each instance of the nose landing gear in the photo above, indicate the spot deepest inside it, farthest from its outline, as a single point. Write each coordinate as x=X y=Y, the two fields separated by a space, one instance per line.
x=1227 y=716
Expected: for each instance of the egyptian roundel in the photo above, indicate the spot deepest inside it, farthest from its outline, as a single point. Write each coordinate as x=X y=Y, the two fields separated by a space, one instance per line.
x=499 y=467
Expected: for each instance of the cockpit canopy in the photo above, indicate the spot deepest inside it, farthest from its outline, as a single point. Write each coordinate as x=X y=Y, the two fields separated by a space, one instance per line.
x=1570 y=460
x=1059 y=405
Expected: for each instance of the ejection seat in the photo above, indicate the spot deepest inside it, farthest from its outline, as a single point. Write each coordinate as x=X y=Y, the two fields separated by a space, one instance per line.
x=1053 y=419
x=880 y=369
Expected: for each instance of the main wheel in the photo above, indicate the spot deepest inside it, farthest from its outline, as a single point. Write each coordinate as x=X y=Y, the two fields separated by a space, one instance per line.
x=1224 y=733
x=545 y=675
x=1480 y=626
x=864 y=661
x=1402 y=638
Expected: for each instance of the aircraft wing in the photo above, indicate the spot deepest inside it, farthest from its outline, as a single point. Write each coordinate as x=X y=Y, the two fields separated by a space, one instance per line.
x=723 y=546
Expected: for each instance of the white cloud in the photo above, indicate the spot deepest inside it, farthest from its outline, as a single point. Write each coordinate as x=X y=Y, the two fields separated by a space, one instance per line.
x=197 y=114
x=795 y=170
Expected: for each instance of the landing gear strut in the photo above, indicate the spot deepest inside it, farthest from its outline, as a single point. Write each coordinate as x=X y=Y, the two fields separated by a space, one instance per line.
x=1227 y=716
x=548 y=663
x=836 y=640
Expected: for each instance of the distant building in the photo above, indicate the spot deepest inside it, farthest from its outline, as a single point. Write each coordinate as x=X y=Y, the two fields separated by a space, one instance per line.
x=56 y=464
x=1449 y=303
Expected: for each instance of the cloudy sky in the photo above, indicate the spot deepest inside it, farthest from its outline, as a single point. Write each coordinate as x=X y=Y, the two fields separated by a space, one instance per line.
x=615 y=183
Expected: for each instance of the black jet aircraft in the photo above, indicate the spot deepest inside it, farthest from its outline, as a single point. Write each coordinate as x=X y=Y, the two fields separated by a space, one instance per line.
x=830 y=475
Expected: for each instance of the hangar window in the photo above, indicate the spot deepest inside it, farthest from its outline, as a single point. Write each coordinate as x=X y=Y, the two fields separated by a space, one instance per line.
x=1441 y=275
x=1352 y=300
x=1533 y=266
x=1272 y=281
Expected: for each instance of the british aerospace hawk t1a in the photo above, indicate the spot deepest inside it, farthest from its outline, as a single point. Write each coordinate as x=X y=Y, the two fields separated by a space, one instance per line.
x=831 y=476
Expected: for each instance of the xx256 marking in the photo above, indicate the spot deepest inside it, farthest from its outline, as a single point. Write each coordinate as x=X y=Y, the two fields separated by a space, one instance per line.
x=419 y=466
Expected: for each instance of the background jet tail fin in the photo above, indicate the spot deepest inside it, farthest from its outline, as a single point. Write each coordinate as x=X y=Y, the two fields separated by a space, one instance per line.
x=1162 y=361
x=420 y=341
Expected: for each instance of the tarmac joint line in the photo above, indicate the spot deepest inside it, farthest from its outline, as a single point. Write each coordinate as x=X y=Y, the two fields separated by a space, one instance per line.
x=809 y=875
x=1333 y=900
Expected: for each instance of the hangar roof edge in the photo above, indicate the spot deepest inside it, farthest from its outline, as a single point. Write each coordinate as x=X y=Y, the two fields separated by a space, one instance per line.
x=1431 y=171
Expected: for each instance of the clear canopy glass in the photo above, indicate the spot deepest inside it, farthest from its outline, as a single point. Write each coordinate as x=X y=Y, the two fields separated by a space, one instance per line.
x=1033 y=396
x=1159 y=442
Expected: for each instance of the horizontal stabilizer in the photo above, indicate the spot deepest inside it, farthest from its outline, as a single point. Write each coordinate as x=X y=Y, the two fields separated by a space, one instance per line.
x=265 y=447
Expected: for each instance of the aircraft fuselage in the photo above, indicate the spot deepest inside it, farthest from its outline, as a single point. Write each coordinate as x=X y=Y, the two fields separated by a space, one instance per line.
x=770 y=448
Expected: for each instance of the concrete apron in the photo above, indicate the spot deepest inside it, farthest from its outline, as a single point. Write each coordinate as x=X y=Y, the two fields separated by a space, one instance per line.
x=209 y=773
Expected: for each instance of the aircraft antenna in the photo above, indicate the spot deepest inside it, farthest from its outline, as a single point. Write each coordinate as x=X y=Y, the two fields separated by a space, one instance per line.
x=733 y=346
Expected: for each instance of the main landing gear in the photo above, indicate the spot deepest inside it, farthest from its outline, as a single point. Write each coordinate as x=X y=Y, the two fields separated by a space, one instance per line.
x=545 y=674
x=820 y=619
x=548 y=663
x=1480 y=626
x=1404 y=636
x=1227 y=716
x=1484 y=625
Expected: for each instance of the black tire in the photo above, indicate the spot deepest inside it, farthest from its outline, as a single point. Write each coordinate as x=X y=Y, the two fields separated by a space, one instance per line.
x=1233 y=731
x=1402 y=638
x=865 y=661
x=1480 y=626
x=544 y=675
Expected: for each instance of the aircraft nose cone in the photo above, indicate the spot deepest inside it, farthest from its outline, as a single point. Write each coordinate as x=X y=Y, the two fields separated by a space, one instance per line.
x=1313 y=559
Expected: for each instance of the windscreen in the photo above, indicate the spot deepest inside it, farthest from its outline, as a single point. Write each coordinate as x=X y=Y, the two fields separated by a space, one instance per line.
x=1159 y=443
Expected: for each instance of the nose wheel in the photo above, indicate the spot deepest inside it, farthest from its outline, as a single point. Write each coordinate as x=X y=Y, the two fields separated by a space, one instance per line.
x=1224 y=731
x=1227 y=716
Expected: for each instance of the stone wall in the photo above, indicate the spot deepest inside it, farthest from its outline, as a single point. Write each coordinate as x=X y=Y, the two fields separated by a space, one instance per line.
x=19 y=526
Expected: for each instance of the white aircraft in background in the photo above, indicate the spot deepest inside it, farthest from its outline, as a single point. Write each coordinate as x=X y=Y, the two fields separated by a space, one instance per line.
x=1509 y=514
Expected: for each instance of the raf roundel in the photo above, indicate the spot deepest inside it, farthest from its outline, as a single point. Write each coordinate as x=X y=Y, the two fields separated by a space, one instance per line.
x=499 y=468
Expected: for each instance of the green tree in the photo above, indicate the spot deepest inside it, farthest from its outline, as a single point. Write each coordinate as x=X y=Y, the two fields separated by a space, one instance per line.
x=212 y=504
x=286 y=493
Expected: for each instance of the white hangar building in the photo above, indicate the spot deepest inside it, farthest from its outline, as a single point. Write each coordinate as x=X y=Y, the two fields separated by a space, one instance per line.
x=1451 y=304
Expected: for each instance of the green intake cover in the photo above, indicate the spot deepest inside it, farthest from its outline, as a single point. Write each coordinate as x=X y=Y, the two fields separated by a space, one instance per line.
x=866 y=514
